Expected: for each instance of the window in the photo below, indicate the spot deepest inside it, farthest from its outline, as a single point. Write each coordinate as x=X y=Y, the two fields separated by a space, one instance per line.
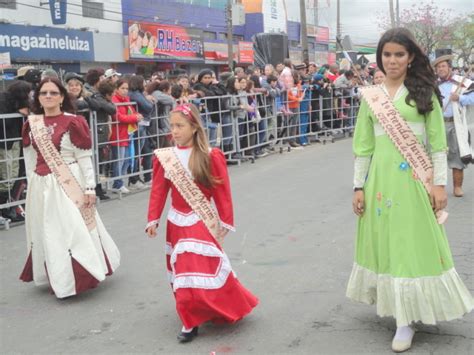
x=222 y=36
x=92 y=9
x=294 y=44
x=237 y=38
x=8 y=4
x=209 y=35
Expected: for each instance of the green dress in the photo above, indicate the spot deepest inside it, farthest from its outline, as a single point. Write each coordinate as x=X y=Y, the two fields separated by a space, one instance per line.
x=402 y=259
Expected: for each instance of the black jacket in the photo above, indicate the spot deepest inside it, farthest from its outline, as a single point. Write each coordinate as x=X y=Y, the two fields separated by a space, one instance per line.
x=213 y=105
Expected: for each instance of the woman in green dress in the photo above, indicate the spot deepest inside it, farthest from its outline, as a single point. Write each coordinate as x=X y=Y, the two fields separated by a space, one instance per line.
x=402 y=259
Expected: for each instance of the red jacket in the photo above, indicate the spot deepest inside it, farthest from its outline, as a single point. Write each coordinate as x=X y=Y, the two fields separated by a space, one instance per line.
x=126 y=116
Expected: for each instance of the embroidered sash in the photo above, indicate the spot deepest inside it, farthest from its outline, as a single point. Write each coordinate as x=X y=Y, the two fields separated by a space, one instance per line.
x=402 y=137
x=188 y=189
x=60 y=169
x=460 y=119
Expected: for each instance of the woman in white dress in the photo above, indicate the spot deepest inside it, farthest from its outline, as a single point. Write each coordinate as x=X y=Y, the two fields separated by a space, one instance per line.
x=71 y=252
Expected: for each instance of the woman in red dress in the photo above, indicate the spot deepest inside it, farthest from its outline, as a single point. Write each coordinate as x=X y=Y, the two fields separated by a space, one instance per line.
x=204 y=285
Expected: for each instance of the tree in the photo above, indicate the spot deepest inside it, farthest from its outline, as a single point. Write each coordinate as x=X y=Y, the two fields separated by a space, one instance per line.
x=462 y=38
x=429 y=24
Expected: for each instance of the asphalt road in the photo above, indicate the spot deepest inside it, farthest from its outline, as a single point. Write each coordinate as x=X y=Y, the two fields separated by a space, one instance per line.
x=293 y=248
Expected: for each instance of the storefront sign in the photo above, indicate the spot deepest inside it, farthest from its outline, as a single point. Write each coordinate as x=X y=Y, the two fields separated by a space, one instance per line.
x=245 y=52
x=46 y=43
x=152 y=41
x=322 y=34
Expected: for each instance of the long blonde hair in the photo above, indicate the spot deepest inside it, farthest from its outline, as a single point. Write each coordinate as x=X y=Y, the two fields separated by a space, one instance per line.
x=199 y=161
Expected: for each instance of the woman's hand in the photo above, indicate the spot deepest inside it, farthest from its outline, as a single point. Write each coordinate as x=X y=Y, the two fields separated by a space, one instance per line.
x=151 y=231
x=438 y=198
x=221 y=233
x=358 y=203
x=89 y=200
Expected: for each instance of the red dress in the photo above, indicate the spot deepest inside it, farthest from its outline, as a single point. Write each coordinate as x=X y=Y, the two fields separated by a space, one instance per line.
x=204 y=285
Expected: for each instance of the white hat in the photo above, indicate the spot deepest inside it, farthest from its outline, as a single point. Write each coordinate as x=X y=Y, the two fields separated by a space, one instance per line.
x=111 y=72
x=23 y=70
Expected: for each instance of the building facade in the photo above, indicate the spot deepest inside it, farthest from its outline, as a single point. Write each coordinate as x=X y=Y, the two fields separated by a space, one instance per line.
x=89 y=33
x=142 y=36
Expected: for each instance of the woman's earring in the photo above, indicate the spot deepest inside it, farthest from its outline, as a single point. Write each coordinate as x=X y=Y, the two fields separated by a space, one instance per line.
x=61 y=105
x=409 y=65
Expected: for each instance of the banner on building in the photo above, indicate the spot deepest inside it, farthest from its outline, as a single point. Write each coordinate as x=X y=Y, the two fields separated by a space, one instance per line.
x=46 y=43
x=246 y=52
x=165 y=42
x=58 y=9
x=322 y=34
x=5 y=61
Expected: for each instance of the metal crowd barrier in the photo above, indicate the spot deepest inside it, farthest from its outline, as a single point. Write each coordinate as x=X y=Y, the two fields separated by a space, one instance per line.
x=12 y=171
x=245 y=126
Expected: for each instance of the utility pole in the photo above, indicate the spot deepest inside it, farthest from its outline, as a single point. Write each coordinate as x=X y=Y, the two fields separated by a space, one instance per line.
x=316 y=20
x=397 y=10
x=392 y=14
x=338 y=27
x=304 y=31
x=230 y=42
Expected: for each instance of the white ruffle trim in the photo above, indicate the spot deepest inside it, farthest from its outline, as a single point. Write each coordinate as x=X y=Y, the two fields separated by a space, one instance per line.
x=227 y=226
x=427 y=299
x=152 y=223
x=196 y=279
x=182 y=219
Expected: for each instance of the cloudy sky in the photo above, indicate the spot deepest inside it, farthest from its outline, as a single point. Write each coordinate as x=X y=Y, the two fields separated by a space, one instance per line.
x=359 y=17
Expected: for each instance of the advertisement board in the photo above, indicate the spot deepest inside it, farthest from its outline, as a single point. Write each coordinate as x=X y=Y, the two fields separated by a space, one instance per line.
x=166 y=42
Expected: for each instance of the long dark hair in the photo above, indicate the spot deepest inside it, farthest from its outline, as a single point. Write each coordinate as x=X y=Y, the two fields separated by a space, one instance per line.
x=421 y=79
x=67 y=105
x=136 y=83
x=231 y=85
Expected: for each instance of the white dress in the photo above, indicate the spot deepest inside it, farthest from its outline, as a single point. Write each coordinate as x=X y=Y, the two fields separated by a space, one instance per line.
x=61 y=250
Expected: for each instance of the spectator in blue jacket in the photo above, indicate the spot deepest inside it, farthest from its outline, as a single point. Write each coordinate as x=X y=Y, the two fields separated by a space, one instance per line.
x=145 y=105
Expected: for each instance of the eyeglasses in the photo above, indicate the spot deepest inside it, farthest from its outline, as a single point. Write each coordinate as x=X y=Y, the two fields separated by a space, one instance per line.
x=51 y=93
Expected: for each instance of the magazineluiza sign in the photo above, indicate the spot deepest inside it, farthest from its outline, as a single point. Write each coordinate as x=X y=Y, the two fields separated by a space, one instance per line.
x=40 y=43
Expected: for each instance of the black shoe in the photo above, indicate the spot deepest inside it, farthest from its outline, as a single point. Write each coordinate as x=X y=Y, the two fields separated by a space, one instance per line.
x=187 y=337
x=103 y=197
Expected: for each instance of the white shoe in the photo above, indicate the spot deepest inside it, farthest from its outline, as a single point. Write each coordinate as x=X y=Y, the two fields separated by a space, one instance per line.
x=137 y=186
x=122 y=190
x=403 y=338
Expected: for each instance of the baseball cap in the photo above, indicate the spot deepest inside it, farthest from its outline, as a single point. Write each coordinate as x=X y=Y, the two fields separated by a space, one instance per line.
x=111 y=72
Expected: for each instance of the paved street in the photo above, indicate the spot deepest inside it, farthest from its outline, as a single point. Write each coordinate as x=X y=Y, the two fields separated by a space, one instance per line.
x=293 y=248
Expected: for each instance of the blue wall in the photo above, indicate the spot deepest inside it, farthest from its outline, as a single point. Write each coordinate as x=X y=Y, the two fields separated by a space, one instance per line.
x=168 y=11
x=253 y=25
